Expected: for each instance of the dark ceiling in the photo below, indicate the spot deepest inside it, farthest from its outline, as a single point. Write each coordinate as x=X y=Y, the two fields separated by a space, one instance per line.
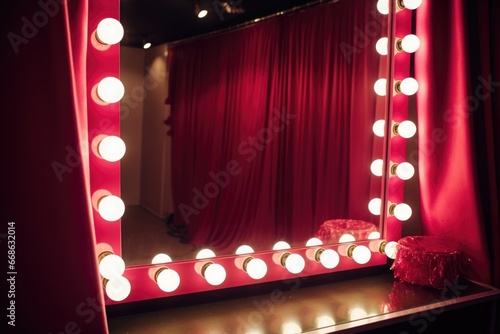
x=166 y=21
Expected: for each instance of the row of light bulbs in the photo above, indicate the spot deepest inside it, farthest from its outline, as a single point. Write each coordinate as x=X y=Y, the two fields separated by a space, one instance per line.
x=405 y=129
x=112 y=266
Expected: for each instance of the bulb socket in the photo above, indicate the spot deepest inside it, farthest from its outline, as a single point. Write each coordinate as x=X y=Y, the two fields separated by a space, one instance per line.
x=350 y=250
x=397 y=87
x=246 y=262
x=395 y=128
x=103 y=255
x=394 y=167
x=401 y=4
x=391 y=209
x=317 y=255
x=283 y=259
x=158 y=272
x=399 y=45
x=105 y=282
x=381 y=248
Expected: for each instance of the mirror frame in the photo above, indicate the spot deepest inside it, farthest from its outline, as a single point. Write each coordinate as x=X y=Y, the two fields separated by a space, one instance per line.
x=103 y=61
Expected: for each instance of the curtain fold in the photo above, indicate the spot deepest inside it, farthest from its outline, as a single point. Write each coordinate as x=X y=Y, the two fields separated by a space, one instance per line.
x=45 y=171
x=458 y=147
x=271 y=127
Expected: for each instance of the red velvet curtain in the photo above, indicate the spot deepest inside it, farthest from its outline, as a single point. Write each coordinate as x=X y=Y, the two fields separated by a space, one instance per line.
x=45 y=171
x=459 y=71
x=271 y=126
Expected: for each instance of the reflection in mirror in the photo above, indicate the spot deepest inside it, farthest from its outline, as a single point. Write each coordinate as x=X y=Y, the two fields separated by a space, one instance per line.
x=261 y=139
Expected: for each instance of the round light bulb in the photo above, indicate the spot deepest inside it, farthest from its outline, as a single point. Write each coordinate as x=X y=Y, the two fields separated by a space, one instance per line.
x=379 y=128
x=346 y=237
x=205 y=254
x=412 y=4
x=256 y=268
x=382 y=46
x=410 y=43
x=110 y=90
x=405 y=171
x=402 y=212
x=375 y=206
x=295 y=263
x=377 y=167
x=380 y=87
x=281 y=245
x=314 y=242
x=361 y=254
x=118 y=288
x=329 y=258
x=202 y=13
x=244 y=249
x=408 y=86
x=374 y=235
x=215 y=274
x=325 y=321
x=161 y=258
x=390 y=249
x=146 y=45
x=109 y=31
x=168 y=280
x=291 y=328
x=407 y=129
x=111 y=208
x=112 y=148
x=111 y=266
x=383 y=7
x=357 y=313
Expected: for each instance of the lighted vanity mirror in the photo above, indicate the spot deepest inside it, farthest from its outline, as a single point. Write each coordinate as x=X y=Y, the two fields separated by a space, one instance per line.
x=289 y=157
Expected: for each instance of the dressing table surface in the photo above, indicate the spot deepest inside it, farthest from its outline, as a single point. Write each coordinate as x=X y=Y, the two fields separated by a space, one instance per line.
x=372 y=304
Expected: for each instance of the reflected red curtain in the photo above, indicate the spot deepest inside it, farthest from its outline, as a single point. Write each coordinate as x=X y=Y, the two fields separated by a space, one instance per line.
x=271 y=126
x=458 y=67
x=45 y=170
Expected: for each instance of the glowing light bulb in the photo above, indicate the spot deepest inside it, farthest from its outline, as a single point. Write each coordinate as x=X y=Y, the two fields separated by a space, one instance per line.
x=346 y=237
x=161 y=258
x=314 y=242
x=379 y=128
x=408 y=86
x=295 y=263
x=111 y=208
x=402 y=212
x=405 y=171
x=110 y=90
x=361 y=254
x=406 y=129
x=111 y=148
x=411 y=4
x=375 y=206
x=111 y=266
x=202 y=13
x=383 y=7
x=374 y=235
x=291 y=328
x=325 y=321
x=377 y=167
x=215 y=274
x=390 y=249
x=410 y=43
x=244 y=249
x=329 y=258
x=382 y=46
x=109 y=31
x=118 y=288
x=146 y=45
x=256 y=268
x=281 y=245
x=357 y=313
x=205 y=254
x=168 y=280
x=380 y=87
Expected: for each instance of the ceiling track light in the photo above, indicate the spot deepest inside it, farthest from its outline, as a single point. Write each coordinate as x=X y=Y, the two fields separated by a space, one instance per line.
x=199 y=11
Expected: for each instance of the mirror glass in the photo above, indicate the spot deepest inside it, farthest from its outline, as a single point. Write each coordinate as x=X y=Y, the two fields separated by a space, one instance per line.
x=187 y=188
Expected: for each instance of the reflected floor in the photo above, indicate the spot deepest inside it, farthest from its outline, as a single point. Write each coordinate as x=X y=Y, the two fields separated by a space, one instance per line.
x=144 y=235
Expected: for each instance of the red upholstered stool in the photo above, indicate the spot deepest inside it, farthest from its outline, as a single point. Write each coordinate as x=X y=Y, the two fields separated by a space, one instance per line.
x=429 y=261
x=331 y=230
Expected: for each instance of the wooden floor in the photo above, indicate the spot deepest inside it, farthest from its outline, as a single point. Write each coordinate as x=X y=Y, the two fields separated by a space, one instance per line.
x=144 y=235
